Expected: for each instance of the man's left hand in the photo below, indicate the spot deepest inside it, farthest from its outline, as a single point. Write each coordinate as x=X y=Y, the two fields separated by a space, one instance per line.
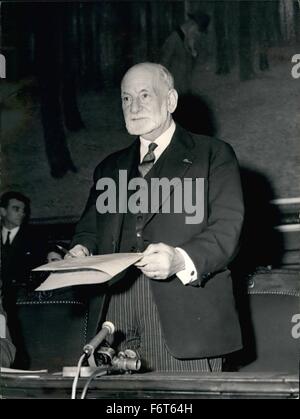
x=161 y=261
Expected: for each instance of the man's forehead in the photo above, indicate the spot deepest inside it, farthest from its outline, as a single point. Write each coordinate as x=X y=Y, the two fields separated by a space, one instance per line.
x=140 y=78
x=16 y=203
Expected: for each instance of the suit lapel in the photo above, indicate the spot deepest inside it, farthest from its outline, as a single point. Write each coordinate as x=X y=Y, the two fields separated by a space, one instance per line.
x=14 y=247
x=178 y=160
x=17 y=241
x=128 y=161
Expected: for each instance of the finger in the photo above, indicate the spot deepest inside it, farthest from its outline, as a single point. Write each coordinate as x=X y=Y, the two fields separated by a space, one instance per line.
x=149 y=269
x=139 y=264
x=79 y=251
x=146 y=260
x=77 y=254
x=68 y=256
x=151 y=274
x=152 y=248
x=156 y=248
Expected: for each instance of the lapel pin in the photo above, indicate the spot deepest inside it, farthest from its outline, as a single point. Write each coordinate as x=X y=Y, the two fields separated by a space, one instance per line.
x=187 y=161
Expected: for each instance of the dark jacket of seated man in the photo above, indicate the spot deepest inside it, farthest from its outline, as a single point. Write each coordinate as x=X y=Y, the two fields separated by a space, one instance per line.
x=7 y=349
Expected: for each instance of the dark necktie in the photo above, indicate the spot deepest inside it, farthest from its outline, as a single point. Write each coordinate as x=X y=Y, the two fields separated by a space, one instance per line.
x=7 y=243
x=148 y=160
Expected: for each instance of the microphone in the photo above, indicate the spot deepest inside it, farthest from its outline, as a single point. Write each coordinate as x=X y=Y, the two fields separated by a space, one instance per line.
x=108 y=328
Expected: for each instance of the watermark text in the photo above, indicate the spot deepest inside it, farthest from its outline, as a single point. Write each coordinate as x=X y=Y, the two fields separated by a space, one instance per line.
x=2 y=67
x=158 y=195
x=296 y=67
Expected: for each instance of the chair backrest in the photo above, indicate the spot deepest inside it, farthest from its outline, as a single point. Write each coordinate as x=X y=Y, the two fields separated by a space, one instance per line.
x=52 y=329
x=273 y=299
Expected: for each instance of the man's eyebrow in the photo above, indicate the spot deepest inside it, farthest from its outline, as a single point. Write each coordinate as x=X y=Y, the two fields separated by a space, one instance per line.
x=140 y=91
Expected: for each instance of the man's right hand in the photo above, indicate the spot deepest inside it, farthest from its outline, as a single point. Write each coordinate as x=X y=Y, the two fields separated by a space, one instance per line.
x=77 y=251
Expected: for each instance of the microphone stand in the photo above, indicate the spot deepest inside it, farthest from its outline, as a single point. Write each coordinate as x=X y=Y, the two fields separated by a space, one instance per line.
x=108 y=364
x=106 y=360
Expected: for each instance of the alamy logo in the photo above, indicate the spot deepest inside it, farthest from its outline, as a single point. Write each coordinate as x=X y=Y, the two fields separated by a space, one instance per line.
x=2 y=67
x=296 y=67
x=159 y=195
x=296 y=328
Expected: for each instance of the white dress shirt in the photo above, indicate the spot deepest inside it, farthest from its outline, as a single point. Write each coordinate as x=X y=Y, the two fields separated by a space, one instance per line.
x=189 y=273
x=12 y=232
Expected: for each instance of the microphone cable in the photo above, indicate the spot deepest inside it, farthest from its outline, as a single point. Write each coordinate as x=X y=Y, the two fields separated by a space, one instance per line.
x=76 y=378
x=99 y=372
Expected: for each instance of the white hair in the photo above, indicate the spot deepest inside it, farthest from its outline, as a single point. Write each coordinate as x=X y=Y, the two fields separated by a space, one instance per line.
x=165 y=75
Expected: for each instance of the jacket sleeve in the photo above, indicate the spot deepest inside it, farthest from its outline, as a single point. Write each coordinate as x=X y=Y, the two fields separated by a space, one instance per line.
x=214 y=248
x=86 y=229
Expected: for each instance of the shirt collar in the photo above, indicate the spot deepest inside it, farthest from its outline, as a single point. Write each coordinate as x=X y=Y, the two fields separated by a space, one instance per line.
x=162 y=143
x=13 y=233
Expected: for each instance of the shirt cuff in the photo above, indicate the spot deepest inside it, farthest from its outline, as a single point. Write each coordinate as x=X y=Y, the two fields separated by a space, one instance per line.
x=189 y=273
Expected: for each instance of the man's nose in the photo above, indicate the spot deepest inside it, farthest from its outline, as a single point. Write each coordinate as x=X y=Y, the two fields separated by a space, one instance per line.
x=135 y=105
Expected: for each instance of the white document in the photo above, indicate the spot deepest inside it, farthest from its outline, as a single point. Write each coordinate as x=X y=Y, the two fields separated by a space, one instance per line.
x=86 y=270
x=29 y=373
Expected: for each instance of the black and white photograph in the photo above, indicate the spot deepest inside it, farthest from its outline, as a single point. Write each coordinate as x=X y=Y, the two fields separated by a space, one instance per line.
x=150 y=202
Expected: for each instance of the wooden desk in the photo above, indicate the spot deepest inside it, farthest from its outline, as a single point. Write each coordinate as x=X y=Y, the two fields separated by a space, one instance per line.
x=156 y=386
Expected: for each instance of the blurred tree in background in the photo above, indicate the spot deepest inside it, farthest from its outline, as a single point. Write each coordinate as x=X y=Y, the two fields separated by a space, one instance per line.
x=103 y=39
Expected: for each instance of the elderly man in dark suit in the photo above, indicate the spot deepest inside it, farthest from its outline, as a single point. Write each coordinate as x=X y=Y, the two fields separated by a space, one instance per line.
x=176 y=306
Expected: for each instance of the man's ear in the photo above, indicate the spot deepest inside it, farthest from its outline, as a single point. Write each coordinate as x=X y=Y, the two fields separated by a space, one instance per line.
x=172 y=100
x=2 y=212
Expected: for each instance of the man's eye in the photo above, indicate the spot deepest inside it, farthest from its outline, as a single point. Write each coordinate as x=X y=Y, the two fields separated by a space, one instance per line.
x=126 y=99
x=145 y=95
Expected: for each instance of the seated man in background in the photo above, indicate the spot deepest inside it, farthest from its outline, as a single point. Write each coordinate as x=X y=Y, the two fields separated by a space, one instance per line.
x=19 y=248
x=7 y=349
x=54 y=253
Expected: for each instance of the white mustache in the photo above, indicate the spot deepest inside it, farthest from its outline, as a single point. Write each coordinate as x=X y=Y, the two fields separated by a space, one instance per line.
x=137 y=118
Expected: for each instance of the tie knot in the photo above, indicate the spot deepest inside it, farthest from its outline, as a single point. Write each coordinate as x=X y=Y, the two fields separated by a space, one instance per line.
x=152 y=147
x=148 y=160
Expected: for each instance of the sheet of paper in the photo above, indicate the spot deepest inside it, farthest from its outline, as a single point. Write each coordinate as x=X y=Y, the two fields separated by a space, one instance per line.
x=112 y=264
x=58 y=280
x=27 y=372
x=86 y=271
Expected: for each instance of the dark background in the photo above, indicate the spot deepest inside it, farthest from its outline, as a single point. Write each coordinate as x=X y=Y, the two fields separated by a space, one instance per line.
x=74 y=54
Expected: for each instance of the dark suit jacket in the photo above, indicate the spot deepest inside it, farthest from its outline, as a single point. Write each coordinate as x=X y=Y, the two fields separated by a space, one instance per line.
x=23 y=254
x=201 y=320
